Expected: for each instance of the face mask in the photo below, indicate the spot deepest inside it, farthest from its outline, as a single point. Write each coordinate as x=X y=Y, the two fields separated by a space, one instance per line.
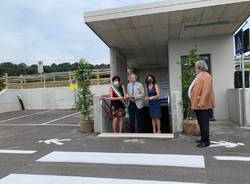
x=116 y=83
x=149 y=81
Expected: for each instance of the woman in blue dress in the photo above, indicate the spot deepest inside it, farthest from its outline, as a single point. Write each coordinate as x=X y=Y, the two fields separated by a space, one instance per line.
x=153 y=95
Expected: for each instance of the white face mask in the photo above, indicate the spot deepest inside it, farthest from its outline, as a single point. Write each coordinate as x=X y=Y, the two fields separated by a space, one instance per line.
x=116 y=83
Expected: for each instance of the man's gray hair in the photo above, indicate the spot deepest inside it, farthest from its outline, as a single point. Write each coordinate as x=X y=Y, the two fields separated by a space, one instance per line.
x=201 y=65
x=133 y=73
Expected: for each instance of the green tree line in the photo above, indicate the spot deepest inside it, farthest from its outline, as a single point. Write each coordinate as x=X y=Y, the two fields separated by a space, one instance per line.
x=24 y=69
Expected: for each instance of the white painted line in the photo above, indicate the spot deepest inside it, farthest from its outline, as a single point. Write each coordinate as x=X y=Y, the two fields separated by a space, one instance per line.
x=225 y=144
x=52 y=121
x=55 y=141
x=24 y=116
x=66 y=125
x=69 y=125
x=191 y=161
x=17 y=151
x=232 y=158
x=138 y=135
x=52 y=179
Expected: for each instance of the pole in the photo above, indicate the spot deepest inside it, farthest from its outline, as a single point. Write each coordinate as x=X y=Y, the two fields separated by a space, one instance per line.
x=243 y=90
x=44 y=80
x=75 y=96
x=6 y=81
x=243 y=95
x=21 y=81
x=98 y=77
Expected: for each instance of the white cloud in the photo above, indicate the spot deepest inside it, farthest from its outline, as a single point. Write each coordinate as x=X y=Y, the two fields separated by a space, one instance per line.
x=51 y=30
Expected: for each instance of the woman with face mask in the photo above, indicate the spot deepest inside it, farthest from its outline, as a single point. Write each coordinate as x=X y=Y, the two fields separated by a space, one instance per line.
x=153 y=95
x=117 y=92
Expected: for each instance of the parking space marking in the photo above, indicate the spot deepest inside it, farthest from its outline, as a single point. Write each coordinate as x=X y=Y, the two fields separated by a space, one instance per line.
x=17 y=151
x=232 y=158
x=190 y=161
x=63 y=125
x=52 y=121
x=52 y=179
x=24 y=116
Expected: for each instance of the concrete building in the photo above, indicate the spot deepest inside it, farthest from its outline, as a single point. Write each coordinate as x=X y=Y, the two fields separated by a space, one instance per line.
x=152 y=38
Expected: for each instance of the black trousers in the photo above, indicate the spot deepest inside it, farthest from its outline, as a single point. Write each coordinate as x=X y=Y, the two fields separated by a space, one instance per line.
x=203 y=120
x=135 y=118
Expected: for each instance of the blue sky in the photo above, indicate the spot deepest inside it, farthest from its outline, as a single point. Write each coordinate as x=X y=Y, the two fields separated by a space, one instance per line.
x=52 y=30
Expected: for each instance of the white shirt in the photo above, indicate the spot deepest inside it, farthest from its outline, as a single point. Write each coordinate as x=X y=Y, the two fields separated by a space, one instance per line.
x=133 y=85
x=192 y=85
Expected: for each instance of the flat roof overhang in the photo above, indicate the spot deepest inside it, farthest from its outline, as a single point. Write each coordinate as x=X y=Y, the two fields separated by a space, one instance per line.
x=142 y=32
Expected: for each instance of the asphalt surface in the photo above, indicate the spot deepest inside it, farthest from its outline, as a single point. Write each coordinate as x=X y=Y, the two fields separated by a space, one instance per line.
x=24 y=130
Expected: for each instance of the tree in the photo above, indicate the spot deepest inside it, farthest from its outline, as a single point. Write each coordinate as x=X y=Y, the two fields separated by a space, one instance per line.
x=85 y=97
x=31 y=70
x=188 y=74
x=22 y=68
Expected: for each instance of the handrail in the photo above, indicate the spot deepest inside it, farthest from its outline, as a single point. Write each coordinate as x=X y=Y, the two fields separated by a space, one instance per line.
x=94 y=71
x=56 y=79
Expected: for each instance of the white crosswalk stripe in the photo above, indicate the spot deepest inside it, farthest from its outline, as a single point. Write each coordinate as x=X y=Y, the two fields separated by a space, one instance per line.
x=17 y=152
x=232 y=158
x=136 y=159
x=193 y=161
x=48 y=179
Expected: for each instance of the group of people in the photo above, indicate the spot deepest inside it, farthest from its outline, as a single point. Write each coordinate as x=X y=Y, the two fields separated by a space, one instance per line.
x=200 y=93
x=134 y=96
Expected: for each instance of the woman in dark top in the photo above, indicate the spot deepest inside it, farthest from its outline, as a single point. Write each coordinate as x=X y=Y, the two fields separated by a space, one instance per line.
x=117 y=92
x=153 y=95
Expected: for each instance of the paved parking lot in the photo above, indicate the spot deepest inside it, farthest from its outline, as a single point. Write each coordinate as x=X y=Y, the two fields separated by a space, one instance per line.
x=46 y=147
x=42 y=117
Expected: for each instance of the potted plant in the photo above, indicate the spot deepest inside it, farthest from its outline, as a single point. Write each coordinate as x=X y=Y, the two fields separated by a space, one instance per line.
x=84 y=96
x=190 y=124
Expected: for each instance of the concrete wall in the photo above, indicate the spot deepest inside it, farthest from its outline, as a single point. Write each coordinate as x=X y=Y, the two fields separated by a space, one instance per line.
x=161 y=74
x=48 y=98
x=43 y=98
x=9 y=101
x=102 y=122
x=222 y=66
x=118 y=65
x=235 y=106
x=99 y=90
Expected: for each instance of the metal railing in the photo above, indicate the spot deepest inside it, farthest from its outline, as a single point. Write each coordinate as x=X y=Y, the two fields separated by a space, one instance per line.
x=58 y=79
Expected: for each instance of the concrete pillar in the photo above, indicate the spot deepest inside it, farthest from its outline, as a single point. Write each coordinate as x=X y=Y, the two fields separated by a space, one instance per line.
x=118 y=65
x=175 y=86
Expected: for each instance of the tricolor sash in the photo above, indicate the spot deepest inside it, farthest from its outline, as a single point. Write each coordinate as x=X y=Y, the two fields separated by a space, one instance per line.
x=119 y=94
x=116 y=91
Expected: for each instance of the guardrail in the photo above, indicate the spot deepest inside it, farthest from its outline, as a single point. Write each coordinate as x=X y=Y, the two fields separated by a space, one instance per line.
x=58 y=79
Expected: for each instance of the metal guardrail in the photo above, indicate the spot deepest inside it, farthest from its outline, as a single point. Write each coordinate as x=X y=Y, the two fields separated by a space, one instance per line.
x=58 y=79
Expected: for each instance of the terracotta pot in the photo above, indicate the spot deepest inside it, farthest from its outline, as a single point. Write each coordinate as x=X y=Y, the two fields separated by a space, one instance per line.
x=191 y=127
x=86 y=126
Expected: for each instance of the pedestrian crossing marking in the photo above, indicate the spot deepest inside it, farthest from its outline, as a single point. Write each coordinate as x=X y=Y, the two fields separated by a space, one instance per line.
x=137 y=135
x=190 y=161
x=233 y=158
x=17 y=151
x=52 y=179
